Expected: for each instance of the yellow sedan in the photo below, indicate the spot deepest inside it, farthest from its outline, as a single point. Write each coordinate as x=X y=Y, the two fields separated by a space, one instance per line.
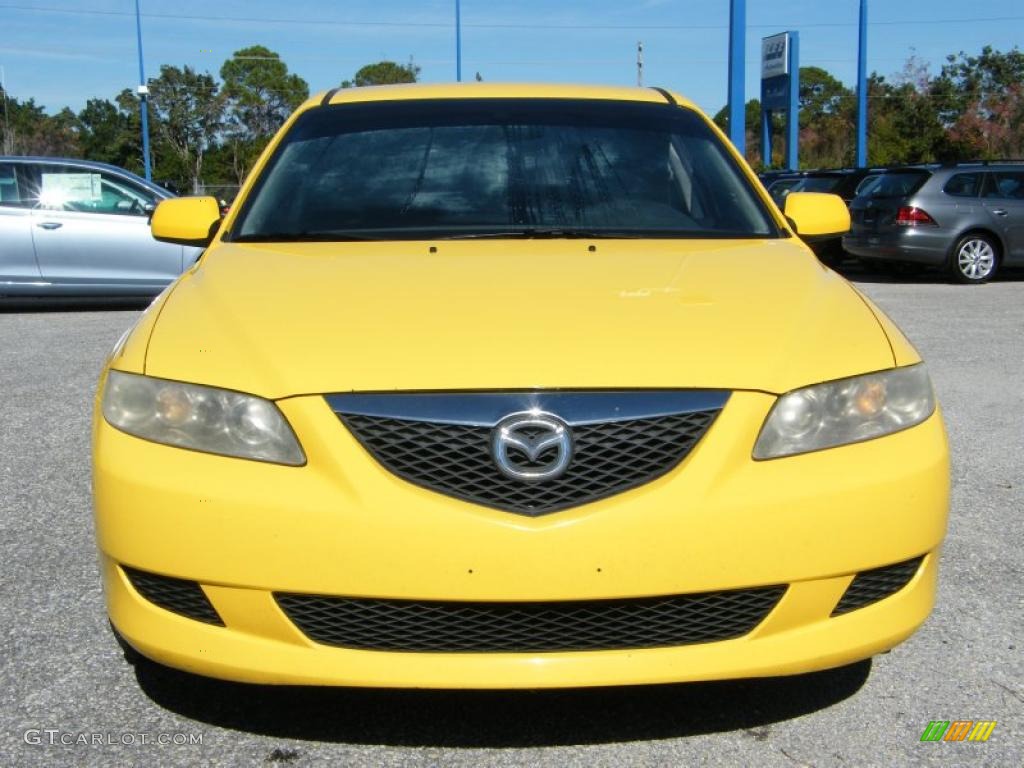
x=512 y=386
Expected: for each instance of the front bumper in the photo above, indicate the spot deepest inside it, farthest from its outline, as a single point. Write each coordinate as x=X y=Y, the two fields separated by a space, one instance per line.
x=342 y=525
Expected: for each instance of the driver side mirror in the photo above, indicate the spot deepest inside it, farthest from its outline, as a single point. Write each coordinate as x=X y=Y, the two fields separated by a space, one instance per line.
x=186 y=220
x=817 y=215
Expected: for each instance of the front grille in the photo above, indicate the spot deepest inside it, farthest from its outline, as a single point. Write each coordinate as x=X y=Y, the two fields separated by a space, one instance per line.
x=877 y=584
x=186 y=598
x=455 y=459
x=422 y=626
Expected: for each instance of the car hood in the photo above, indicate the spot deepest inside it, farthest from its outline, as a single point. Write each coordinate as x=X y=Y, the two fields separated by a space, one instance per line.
x=288 y=319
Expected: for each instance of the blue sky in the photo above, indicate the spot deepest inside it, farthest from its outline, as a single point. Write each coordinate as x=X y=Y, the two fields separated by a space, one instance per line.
x=63 y=58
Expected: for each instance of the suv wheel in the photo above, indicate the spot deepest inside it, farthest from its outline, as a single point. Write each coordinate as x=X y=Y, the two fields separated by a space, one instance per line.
x=974 y=259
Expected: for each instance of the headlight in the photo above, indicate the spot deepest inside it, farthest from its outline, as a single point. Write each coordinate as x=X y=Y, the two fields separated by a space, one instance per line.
x=846 y=411
x=200 y=418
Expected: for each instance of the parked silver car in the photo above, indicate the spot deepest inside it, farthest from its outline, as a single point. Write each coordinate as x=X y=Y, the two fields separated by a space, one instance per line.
x=79 y=228
x=967 y=218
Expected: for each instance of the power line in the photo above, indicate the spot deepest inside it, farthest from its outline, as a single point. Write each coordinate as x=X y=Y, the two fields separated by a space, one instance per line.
x=501 y=25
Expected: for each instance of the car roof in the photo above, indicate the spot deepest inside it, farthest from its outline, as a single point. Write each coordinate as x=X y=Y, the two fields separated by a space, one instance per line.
x=492 y=91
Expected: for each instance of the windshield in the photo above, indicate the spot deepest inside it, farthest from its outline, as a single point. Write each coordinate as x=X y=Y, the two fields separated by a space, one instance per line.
x=436 y=169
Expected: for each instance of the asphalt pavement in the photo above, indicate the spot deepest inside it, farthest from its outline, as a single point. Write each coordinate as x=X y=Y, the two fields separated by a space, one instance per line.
x=68 y=697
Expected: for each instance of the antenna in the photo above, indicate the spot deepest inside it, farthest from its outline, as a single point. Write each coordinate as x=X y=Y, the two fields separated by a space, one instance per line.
x=640 y=63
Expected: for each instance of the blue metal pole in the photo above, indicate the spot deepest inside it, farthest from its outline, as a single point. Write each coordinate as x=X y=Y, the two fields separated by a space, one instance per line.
x=458 y=41
x=143 y=97
x=793 y=113
x=766 y=136
x=737 y=70
x=862 y=87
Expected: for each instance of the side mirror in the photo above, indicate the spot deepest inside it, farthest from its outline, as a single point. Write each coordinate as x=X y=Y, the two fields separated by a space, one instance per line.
x=186 y=220
x=816 y=215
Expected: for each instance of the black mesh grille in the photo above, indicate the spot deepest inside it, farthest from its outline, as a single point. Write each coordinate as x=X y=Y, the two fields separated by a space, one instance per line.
x=609 y=457
x=871 y=586
x=406 y=625
x=186 y=598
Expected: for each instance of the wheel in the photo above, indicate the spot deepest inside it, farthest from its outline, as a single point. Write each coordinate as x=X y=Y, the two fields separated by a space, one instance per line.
x=975 y=259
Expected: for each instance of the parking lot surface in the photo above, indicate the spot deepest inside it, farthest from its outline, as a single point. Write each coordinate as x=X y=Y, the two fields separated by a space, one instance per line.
x=64 y=679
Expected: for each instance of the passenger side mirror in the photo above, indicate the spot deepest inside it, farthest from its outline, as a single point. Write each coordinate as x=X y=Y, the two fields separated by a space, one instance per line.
x=186 y=220
x=817 y=215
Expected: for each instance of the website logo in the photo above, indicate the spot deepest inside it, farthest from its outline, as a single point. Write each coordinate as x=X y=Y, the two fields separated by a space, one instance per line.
x=958 y=730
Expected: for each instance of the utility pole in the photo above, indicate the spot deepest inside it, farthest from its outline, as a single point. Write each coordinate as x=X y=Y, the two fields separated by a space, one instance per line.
x=458 y=41
x=862 y=87
x=640 y=64
x=8 y=140
x=143 y=97
x=737 y=70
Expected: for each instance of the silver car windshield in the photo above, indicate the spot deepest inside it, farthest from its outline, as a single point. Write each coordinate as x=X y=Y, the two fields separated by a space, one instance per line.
x=435 y=169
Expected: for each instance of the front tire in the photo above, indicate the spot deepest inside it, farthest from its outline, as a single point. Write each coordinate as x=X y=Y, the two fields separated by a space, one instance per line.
x=974 y=260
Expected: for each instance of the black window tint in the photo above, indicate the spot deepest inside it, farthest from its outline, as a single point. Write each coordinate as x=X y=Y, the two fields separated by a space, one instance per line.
x=817 y=184
x=448 y=167
x=1007 y=185
x=963 y=185
x=868 y=184
x=899 y=184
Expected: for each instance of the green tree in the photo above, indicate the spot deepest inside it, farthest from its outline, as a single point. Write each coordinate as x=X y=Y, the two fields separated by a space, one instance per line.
x=27 y=130
x=752 y=125
x=980 y=100
x=384 y=73
x=259 y=95
x=105 y=133
x=190 y=110
x=822 y=96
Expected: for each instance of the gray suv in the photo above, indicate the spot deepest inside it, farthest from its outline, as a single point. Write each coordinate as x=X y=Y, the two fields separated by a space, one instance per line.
x=967 y=218
x=77 y=228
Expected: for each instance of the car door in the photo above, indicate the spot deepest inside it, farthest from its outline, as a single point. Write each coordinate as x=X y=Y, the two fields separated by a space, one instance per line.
x=1003 y=198
x=91 y=229
x=17 y=256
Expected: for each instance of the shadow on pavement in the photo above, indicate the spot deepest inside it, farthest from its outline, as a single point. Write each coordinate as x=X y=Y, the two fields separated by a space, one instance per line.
x=29 y=305
x=857 y=272
x=494 y=719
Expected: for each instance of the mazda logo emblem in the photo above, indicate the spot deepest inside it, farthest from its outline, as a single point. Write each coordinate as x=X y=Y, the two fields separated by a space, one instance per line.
x=532 y=447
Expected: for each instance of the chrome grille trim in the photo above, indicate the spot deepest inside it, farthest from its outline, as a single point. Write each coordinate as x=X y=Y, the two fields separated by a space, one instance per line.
x=621 y=440
x=485 y=409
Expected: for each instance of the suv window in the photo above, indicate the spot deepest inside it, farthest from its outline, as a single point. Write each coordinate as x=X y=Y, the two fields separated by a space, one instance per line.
x=11 y=187
x=963 y=185
x=899 y=183
x=1008 y=185
x=512 y=167
x=88 y=190
x=867 y=185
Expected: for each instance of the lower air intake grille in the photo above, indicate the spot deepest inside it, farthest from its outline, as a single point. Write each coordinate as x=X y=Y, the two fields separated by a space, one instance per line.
x=455 y=459
x=422 y=626
x=185 y=598
x=871 y=586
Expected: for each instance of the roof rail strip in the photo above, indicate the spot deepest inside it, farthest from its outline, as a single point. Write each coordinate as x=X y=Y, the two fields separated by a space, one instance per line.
x=668 y=96
x=328 y=96
x=992 y=161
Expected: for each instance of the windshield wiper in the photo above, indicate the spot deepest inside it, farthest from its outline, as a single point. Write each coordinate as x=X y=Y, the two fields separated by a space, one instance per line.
x=302 y=237
x=548 y=233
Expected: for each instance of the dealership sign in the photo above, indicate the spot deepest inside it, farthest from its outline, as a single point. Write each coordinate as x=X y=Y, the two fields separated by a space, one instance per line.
x=780 y=87
x=775 y=56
